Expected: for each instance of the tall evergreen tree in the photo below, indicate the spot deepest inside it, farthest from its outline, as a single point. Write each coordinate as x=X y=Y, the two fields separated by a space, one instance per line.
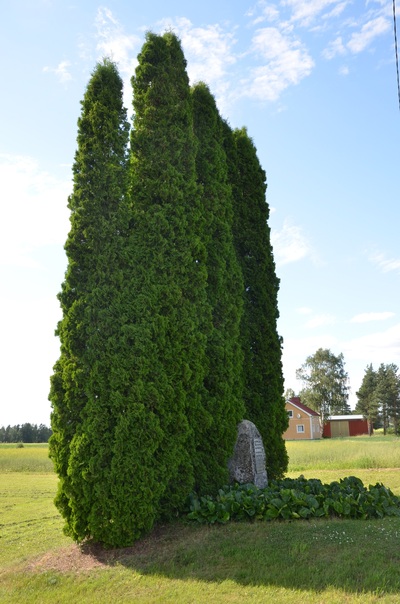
x=172 y=314
x=223 y=382
x=387 y=395
x=367 y=404
x=94 y=407
x=261 y=344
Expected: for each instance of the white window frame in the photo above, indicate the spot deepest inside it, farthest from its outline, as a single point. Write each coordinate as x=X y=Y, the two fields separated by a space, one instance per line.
x=300 y=429
x=290 y=413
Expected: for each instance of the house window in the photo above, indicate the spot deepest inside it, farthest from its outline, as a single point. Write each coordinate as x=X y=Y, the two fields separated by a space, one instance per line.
x=300 y=428
x=290 y=413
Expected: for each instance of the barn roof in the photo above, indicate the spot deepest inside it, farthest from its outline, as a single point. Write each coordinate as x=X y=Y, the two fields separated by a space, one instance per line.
x=344 y=417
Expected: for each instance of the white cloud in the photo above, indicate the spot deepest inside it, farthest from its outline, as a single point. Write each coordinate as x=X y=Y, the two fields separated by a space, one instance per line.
x=208 y=51
x=344 y=70
x=337 y=10
x=290 y=244
x=385 y=264
x=369 y=31
x=269 y=12
x=305 y=11
x=372 y=316
x=285 y=62
x=334 y=48
x=120 y=47
x=34 y=209
x=210 y=55
x=320 y=321
x=113 y=42
x=378 y=347
x=61 y=71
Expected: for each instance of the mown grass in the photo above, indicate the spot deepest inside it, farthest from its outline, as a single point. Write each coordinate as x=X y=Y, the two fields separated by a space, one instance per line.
x=361 y=452
x=29 y=458
x=341 y=561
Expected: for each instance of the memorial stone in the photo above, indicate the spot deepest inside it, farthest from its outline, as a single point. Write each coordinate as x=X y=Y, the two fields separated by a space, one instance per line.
x=247 y=464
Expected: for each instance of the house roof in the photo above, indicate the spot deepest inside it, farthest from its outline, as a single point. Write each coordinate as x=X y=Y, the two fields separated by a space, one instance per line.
x=295 y=401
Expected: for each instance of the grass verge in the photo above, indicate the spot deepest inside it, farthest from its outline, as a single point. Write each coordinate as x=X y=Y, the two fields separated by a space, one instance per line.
x=332 y=561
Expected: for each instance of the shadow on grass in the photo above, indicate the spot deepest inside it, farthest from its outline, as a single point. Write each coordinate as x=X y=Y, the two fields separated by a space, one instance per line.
x=357 y=556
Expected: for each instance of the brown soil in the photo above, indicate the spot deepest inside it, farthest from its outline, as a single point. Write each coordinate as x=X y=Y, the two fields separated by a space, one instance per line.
x=68 y=559
x=88 y=556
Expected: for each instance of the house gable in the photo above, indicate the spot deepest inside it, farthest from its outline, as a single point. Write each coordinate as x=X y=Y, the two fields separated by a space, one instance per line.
x=303 y=421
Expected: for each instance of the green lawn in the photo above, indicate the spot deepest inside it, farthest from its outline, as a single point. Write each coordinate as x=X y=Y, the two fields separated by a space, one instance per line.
x=361 y=453
x=341 y=561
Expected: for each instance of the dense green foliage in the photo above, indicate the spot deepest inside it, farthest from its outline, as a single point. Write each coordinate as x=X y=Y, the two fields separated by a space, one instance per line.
x=367 y=403
x=223 y=382
x=168 y=336
x=171 y=310
x=91 y=386
x=296 y=498
x=261 y=344
x=379 y=396
x=26 y=433
x=325 y=380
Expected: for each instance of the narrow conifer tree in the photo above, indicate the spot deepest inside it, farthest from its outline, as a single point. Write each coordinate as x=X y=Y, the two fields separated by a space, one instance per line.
x=90 y=389
x=162 y=260
x=263 y=379
x=172 y=314
x=223 y=382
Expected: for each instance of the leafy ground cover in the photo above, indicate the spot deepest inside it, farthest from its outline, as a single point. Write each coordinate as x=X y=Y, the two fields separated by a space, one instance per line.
x=296 y=499
x=318 y=560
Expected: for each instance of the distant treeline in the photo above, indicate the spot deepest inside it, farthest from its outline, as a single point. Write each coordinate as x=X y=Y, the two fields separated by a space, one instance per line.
x=26 y=433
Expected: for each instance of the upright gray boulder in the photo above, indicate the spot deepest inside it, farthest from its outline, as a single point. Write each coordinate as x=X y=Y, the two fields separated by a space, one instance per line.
x=247 y=464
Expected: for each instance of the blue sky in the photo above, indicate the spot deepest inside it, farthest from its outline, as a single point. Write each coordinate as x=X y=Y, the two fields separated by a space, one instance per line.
x=315 y=83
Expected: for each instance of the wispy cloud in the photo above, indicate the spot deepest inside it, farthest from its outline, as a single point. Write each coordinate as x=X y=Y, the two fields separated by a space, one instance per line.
x=209 y=51
x=276 y=58
x=61 y=71
x=268 y=12
x=285 y=61
x=114 y=43
x=372 y=316
x=369 y=31
x=274 y=61
x=385 y=264
x=290 y=244
x=37 y=213
x=336 y=47
x=305 y=12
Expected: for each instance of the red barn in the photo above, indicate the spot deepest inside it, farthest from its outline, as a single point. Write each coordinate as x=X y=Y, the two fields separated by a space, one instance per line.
x=345 y=425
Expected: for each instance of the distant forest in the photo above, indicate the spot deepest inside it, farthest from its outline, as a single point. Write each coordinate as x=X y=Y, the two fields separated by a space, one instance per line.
x=26 y=433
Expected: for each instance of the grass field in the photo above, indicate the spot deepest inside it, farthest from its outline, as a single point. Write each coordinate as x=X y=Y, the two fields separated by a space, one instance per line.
x=341 y=561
